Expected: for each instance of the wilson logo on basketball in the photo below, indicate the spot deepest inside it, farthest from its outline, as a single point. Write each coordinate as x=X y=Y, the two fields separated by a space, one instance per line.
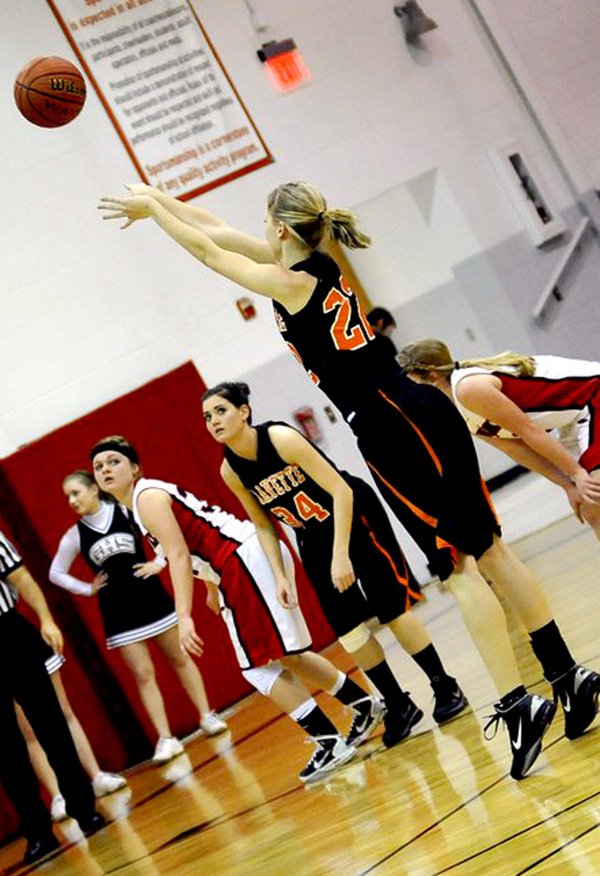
x=66 y=86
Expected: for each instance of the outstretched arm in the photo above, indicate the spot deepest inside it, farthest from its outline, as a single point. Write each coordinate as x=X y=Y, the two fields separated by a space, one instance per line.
x=291 y=288
x=154 y=507
x=482 y=394
x=296 y=450
x=224 y=235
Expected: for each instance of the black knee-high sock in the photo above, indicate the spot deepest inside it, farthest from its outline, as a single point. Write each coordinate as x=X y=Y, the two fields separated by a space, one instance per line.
x=347 y=691
x=429 y=661
x=552 y=651
x=385 y=681
x=316 y=723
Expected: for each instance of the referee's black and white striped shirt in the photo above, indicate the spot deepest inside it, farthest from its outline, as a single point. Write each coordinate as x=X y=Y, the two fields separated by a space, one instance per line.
x=10 y=560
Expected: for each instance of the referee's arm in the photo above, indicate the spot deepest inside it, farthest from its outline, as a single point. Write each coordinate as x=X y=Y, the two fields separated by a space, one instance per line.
x=20 y=579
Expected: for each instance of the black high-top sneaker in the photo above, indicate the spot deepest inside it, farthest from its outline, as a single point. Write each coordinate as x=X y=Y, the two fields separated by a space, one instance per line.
x=578 y=691
x=450 y=701
x=526 y=721
x=401 y=717
x=368 y=713
x=331 y=752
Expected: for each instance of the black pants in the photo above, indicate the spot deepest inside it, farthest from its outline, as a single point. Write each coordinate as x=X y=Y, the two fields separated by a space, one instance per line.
x=23 y=676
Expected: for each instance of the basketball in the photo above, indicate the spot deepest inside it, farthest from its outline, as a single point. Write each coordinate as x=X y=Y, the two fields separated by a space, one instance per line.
x=49 y=92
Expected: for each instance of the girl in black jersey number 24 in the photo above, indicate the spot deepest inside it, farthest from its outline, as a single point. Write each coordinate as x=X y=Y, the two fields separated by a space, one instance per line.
x=412 y=437
x=346 y=544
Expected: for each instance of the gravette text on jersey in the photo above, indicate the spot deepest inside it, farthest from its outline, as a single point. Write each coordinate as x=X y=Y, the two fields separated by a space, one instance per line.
x=277 y=484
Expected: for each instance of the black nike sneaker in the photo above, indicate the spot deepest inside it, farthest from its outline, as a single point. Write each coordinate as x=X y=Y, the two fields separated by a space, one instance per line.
x=400 y=718
x=526 y=722
x=331 y=752
x=578 y=691
x=450 y=701
x=368 y=713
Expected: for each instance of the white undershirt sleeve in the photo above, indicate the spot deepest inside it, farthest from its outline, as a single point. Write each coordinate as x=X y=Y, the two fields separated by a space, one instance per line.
x=159 y=556
x=69 y=547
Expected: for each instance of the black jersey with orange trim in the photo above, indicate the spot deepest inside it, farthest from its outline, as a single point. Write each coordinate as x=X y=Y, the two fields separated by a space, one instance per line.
x=411 y=436
x=386 y=585
x=283 y=490
x=332 y=338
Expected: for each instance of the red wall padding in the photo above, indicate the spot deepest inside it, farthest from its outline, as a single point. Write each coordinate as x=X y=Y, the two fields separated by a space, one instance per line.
x=163 y=419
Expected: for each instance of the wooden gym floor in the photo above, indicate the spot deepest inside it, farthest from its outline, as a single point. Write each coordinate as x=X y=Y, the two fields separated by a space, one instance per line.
x=441 y=802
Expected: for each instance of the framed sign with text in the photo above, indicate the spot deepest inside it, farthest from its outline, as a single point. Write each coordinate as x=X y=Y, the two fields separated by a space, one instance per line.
x=165 y=90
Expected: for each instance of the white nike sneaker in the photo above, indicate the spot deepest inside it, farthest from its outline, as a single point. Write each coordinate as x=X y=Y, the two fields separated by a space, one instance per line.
x=58 y=808
x=526 y=721
x=212 y=724
x=166 y=749
x=107 y=783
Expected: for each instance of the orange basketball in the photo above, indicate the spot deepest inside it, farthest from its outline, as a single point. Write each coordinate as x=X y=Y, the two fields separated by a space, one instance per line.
x=49 y=92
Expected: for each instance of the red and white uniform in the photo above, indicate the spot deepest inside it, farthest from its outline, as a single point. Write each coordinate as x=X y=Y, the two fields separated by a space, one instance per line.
x=227 y=551
x=562 y=395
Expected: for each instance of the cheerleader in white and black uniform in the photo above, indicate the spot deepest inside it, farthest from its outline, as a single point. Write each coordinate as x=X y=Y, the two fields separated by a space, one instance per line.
x=134 y=605
x=270 y=637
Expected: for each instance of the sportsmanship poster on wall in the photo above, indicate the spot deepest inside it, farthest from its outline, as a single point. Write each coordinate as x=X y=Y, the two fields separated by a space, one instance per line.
x=165 y=90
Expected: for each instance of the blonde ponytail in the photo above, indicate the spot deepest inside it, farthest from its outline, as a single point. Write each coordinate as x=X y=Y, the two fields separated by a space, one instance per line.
x=524 y=365
x=431 y=356
x=302 y=207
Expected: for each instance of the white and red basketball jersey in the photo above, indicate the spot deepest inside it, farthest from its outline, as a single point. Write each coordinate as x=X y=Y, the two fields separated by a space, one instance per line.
x=227 y=551
x=211 y=534
x=556 y=396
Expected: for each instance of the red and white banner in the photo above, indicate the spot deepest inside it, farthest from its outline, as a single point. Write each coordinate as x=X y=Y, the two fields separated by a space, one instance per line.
x=166 y=91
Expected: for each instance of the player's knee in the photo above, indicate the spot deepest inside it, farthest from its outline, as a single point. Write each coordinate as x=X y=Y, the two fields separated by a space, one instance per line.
x=292 y=661
x=355 y=639
x=144 y=674
x=179 y=660
x=498 y=552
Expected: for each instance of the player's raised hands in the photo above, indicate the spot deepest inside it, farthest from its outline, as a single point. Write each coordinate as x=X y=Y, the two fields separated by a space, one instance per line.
x=130 y=207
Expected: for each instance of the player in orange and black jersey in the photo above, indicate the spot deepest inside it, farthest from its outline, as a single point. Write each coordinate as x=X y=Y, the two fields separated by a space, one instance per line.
x=413 y=442
x=346 y=544
x=412 y=437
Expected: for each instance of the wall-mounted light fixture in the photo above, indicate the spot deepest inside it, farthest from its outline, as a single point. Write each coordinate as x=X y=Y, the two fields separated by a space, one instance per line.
x=414 y=21
x=284 y=65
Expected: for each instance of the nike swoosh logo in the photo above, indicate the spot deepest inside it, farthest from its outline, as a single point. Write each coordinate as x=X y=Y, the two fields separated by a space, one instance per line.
x=517 y=742
x=567 y=703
